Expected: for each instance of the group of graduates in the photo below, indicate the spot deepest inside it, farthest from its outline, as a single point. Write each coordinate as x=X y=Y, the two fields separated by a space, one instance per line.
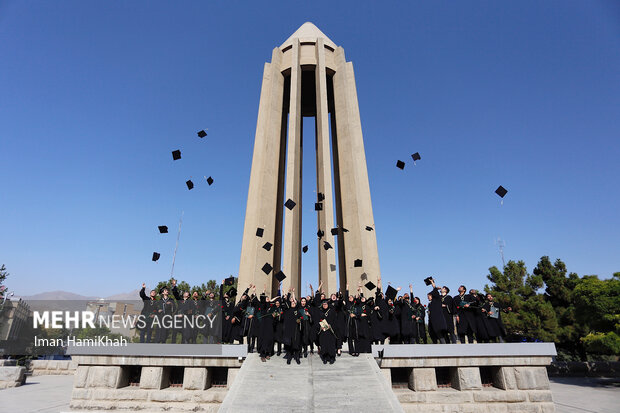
x=295 y=326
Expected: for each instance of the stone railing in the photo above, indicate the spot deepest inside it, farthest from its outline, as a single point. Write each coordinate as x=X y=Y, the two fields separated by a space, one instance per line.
x=12 y=376
x=154 y=377
x=51 y=367
x=470 y=377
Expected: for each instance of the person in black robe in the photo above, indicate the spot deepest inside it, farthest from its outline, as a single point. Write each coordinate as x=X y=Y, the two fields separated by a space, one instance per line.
x=465 y=320
x=495 y=326
x=337 y=304
x=166 y=307
x=392 y=328
x=251 y=323
x=292 y=330
x=326 y=335
x=266 y=314
x=227 y=311
x=212 y=312
x=408 y=330
x=420 y=314
x=237 y=318
x=278 y=334
x=376 y=319
x=306 y=326
x=364 y=332
x=448 y=309
x=353 y=311
x=482 y=335
x=437 y=322
x=148 y=313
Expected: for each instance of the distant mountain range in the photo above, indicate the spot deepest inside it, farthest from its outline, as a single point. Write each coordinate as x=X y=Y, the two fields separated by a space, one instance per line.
x=66 y=295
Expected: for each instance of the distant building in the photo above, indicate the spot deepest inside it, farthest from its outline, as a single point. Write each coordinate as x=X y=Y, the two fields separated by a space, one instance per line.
x=13 y=316
x=107 y=309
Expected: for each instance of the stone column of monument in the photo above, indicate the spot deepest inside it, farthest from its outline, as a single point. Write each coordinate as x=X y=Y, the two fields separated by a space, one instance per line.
x=309 y=76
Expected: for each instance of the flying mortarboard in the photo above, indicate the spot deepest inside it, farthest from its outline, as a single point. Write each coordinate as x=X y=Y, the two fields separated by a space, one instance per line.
x=267 y=268
x=400 y=164
x=156 y=256
x=369 y=228
x=391 y=292
x=318 y=206
x=320 y=196
x=202 y=134
x=416 y=157
x=163 y=229
x=320 y=234
x=334 y=231
x=326 y=245
x=370 y=285
x=427 y=280
x=305 y=249
x=176 y=155
x=290 y=204
x=189 y=184
x=259 y=232
x=501 y=191
x=229 y=281
x=357 y=263
x=268 y=246
x=280 y=276
x=332 y=267
x=210 y=181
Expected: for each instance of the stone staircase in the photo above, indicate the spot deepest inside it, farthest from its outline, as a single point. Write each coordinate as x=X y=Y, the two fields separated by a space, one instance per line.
x=352 y=384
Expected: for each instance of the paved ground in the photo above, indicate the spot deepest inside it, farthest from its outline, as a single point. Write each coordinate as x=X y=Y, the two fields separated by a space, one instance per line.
x=51 y=394
x=586 y=395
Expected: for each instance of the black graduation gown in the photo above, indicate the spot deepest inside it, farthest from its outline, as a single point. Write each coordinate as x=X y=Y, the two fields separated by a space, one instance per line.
x=307 y=333
x=376 y=322
x=420 y=313
x=495 y=326
x=251 y=322
x=365 y=332
x=341 y=320
x=466 y=321
x=327 y=338
x=227 y=312
x=392 y=329
x=278 y=323
x=436 y=319
x=266 y=320
x=448 y=312
x=292 y=328
x=408 y=326
x=480 y=319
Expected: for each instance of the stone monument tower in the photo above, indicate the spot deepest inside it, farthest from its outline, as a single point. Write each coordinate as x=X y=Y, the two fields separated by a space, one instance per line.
x=308 y=77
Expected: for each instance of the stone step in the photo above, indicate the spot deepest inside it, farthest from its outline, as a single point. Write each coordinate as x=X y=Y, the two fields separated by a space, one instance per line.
x=351 y=384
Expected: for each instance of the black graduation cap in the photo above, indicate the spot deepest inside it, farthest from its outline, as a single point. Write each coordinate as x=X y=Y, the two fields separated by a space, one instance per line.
x=334 y=231
x=156 y=256
x=369 y=228
x=163 y=229
x=229 y=281
x=305 y=249
x=268 y=246
x=357 y=263
x=259 y=232
x=176 y=155
x=267 y=268
x=416 y=157
x=165 y=287
x=427 y=280
x=189 y=184
x=320 y=196
x=400 y=164
x=320 y=234
x=501 y=191
x=370 y=285
x=290 y=204
x=232 y=292
x=280 y=276
x=326 y=245
x=209 y=181
x=332 y=267
x=391 y=292
x=318 y=206
x=202 y=134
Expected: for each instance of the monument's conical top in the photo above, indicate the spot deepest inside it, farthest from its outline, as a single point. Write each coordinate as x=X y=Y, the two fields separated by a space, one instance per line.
x=308 y=32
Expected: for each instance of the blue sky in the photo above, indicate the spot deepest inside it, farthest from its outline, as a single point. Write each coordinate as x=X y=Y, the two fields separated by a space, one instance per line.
x=95 y=95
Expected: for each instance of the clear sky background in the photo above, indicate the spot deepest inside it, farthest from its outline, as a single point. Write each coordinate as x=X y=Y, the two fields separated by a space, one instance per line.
x=95 y=95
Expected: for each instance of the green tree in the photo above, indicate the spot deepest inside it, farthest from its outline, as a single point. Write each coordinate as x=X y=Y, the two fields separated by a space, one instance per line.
x=3 y=275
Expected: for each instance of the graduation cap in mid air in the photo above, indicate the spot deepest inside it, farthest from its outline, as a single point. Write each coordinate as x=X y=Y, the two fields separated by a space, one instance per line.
x=320 y=234
x=176 y=155
x=229 y=281
x=391 y=292
x=259 y=232
x=305 y=249
x=332 y=267
x=163 y=229
x=357 y=263
x=267 y=268
x=326 y=245
x=501 y=191
x=400 y=164
x=370 y=285
x=416 y=157
x=320 y=197
x=290 y=204
x=189 y=184
x=202 y=134
x=334 y=231
x=268 y=246
x=280 y=276
x=232 y=292
x=427 y=280
x=369 y=228
x=156 y=256
x=318 y=206
x=210 y=181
